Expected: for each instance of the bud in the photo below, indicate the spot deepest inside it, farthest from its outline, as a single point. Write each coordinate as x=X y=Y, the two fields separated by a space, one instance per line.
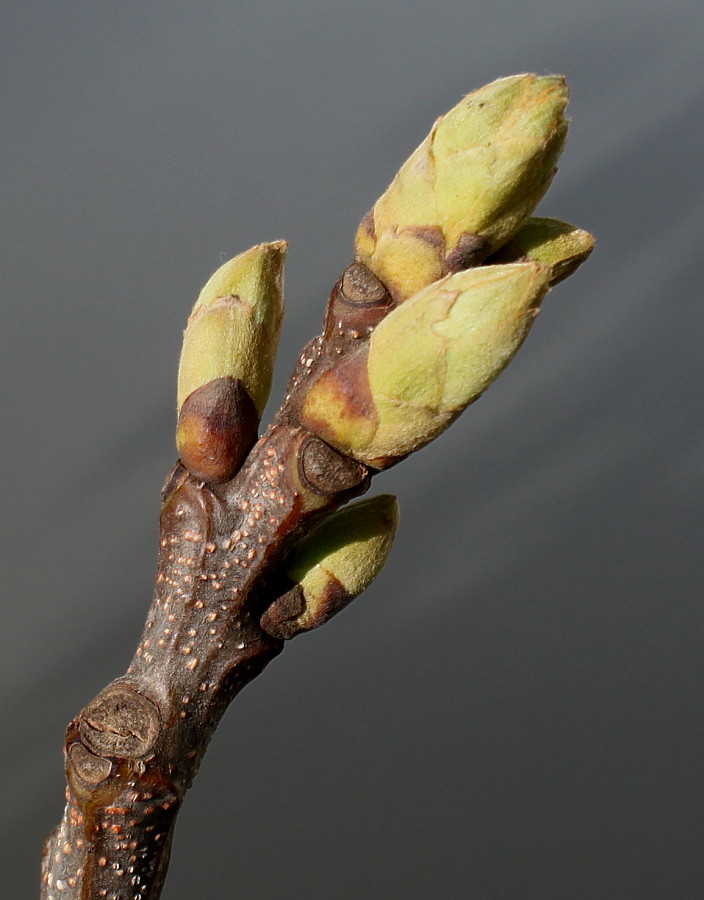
x=227 y=359
x=333 y=565
x=425 y=362
x=470 y=185
x=550 y=242
x=234 y=327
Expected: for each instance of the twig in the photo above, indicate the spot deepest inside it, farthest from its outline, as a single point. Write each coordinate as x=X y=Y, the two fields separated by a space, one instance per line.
x=252 y=551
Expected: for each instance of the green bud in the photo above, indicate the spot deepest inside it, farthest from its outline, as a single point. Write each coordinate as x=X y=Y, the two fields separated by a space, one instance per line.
x=425 y=362
x=233 y=330
x=550 y=242
x=333 y=565
x=226 y=362
x=470 y=185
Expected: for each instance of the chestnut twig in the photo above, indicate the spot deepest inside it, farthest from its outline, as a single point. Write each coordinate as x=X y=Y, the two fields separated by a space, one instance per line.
x=256 y=545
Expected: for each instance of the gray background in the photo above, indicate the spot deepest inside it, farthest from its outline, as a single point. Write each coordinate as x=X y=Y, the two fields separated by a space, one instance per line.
x=513 y=710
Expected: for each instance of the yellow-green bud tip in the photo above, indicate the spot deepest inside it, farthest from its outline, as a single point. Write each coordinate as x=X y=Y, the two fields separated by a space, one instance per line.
x=351 y=546
x=333 y=565
x=550 y=242
x=469 y=186
x=233 y=330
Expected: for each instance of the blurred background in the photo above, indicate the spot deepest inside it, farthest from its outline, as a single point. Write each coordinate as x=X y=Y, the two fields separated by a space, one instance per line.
x=514 y=708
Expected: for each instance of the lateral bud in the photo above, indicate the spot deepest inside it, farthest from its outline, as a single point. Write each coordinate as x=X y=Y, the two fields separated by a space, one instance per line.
x=227 y=360
x=333 y=565
x=425 y=363
x=549 y=242
x=470 y=185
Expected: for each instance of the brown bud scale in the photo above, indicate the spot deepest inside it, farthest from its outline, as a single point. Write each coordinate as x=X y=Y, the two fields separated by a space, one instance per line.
x=328 y=471
x=278 y=619
x=470 y=250
x=358 y=302
x=216 y=429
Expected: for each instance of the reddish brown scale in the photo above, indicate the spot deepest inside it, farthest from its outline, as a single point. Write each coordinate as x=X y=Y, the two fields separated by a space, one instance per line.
x=280 y=619
x=470 y=250
x=217 y=427
x=325 y=470
x=348 y=383
x=358 y=302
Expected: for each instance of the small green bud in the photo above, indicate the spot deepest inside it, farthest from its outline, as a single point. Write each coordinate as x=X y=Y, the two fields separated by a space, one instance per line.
x=425 y=362
x=470 y=185
x=234 y=327
x=550 y=242
x=226 y=362
x=333 y=565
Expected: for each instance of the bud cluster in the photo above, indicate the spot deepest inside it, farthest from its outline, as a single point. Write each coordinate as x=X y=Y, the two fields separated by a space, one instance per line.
x=453 y=242
x=450 y=270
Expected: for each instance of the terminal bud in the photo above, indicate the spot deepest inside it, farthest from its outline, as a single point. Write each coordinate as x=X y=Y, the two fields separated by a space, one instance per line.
x=470 y=185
